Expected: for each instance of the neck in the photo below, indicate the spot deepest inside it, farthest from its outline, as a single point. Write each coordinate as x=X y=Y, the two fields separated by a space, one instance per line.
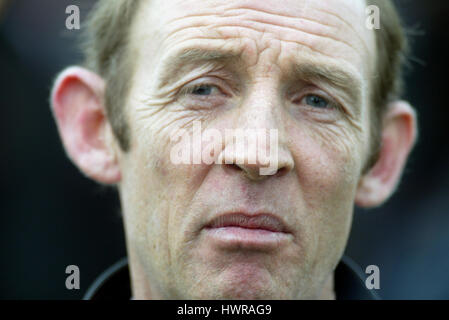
x=328 y=291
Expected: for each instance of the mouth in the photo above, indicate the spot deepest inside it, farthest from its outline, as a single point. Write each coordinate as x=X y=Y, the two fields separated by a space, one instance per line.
x=243 y=231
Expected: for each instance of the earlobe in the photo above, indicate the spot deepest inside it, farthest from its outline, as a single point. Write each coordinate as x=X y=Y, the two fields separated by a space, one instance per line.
x=398 y=137
x=77 y=105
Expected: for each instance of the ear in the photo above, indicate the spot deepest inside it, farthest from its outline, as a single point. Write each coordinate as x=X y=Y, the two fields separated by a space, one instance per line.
x=78 y=108
x=398 y=137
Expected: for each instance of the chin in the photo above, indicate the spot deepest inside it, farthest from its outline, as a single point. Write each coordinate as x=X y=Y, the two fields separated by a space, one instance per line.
x=239 y=293
x=248 y=293
x=243 y=285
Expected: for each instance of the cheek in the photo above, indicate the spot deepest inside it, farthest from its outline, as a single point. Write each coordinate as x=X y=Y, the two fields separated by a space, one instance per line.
x=327 y=173
x=328 y=166
x=158 y=193
x=328 y=169
x=142 y=194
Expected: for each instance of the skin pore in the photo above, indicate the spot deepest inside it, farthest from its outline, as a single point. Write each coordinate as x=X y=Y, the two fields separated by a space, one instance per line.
x=302 y=67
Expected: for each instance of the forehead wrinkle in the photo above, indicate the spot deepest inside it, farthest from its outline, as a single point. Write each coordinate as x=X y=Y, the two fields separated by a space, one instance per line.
x=301 y=29
x=187 y=12
x=225 y=34
x=197 y=27
x=304 y=11
x=304 y=22
x=351 y=26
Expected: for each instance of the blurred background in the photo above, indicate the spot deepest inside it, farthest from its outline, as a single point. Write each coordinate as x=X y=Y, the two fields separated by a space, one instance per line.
x=52 y=216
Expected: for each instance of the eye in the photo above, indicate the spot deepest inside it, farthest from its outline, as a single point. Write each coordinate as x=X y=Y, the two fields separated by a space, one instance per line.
x=316 y=101
x=206 y=95
x=204 y=90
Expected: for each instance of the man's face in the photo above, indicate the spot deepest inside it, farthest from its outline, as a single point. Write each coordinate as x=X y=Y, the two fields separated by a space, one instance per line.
x=297 y=66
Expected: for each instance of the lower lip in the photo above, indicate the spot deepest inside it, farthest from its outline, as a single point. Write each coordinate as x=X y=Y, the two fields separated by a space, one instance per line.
x=245 y=238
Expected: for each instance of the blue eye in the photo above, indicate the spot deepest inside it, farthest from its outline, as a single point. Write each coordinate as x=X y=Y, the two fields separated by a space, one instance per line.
x=316 y=101
x=202 y=90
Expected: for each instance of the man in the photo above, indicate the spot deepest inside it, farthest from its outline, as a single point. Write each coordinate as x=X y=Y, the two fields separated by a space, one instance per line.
x=310 y=71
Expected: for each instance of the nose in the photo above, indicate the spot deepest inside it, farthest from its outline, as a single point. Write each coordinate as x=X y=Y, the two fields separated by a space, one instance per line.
x=257 y=145
x=258 y=171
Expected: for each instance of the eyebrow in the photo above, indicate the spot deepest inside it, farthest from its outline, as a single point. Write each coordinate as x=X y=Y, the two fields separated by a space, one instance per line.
x=173 y=64
x=334 y=75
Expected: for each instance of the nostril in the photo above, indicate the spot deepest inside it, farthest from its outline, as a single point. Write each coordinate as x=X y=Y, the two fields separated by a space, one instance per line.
x=232 y=167
x=255 y=171
x=281 y=172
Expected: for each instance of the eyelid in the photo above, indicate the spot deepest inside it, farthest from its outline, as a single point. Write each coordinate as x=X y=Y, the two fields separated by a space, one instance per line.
x=220 y=84
x=313 y=90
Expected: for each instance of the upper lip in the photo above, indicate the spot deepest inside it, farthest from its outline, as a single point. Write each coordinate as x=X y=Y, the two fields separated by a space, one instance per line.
x=262 y=221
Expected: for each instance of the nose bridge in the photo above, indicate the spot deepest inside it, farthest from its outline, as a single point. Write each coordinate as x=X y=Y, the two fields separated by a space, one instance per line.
x=260 y=108
x=257 y=145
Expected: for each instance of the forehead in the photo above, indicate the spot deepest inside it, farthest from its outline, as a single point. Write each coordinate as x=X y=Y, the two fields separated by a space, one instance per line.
x=332 y=30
